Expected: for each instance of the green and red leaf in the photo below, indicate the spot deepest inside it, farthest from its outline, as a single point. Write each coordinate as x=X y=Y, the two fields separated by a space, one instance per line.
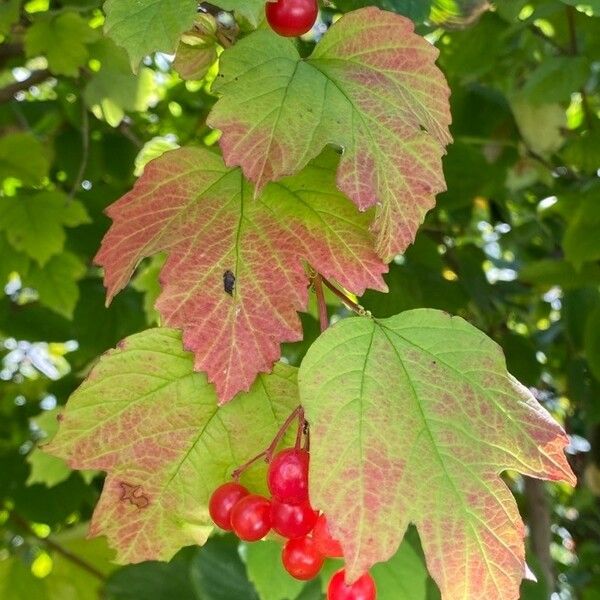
x=371 y=87
x=413 y=418
x=235 y=274
x=153 y=424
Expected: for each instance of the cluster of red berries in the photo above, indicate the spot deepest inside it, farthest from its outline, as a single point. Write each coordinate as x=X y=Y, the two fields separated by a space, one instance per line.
x=288 y=513
x=291 y=18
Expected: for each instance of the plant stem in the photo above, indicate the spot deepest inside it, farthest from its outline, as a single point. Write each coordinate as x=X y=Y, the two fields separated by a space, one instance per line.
x=572 y=33
x=85 y=148
x=267 y=454
x=24 y=525
x=348 y=302
x=7 y=93
x=323 y=316
x=574 y=51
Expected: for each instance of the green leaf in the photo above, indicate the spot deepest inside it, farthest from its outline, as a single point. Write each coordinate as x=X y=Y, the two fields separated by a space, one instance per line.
x=164 y=442
x=35 y=224
x=416 y=10
x=403 y=577
x=17 y=582
x=235 y=330
x=277 y=111
x=146 y=281
x=12 y=261
x=56 y=282
x=9 y=15
x=23 y=156
x=266 y=572
x=219 y=574
x=252 y=10
x=63 y=40
x=548 y=272
x=197 y=50
x=412 y=420
x=541 y=125
x=581 y=241
x=66 y=580
x=456 y=14
x=152 y=580
x=582 y=152
x=585 y=5
x=555 y=79
x=146 y=26
x=114 y=90
x=592 y=342
x=521 y=358
x=45 y=468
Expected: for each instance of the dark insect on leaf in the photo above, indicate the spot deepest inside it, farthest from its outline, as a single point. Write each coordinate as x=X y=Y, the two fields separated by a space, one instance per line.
x=228 y=282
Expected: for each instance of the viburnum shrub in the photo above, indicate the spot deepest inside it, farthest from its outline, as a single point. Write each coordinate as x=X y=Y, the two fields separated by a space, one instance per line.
x=326 y=166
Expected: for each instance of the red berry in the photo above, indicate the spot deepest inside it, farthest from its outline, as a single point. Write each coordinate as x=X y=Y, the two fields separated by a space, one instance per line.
x=292 y=520
x=222 y=501
x=291 y=17
x=325 y=543
x=288 y=476
x=301 y=558
x=362 y=589
x=250 y=518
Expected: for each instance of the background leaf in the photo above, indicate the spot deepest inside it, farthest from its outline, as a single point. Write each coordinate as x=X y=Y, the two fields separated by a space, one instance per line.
x=152 y=26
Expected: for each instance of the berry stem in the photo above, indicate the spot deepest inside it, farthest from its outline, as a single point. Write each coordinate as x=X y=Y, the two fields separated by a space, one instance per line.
x=348 y=302
x=267 y=454
x=323 y=316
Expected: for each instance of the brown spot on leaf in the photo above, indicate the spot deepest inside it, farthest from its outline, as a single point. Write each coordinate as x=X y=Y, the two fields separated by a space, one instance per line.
x=134 y=494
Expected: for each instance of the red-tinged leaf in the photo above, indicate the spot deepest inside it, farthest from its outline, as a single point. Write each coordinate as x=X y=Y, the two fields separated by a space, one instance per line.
x=234 y=277
x=413 y=419
x=153 y=424
x=370 y=86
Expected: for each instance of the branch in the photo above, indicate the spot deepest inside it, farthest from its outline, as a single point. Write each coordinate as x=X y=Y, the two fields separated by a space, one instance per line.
x=85 y=148
x=24 y=525
x=539 y=522
x=348 y=302
x=572 y=33
x=8 y=51
x=574 y=50
x=539 y=33
x=323 y=316
x=8 y=93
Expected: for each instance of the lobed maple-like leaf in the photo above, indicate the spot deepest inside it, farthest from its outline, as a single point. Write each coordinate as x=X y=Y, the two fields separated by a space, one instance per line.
x=146 y=26
x=370 y=86
x=35 y=223
x=234 y=276
x=153 y=424
x=413 y=418
x=252 y=10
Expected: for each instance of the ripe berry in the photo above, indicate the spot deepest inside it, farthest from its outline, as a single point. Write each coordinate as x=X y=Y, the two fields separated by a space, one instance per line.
x=250 y=518
x=291 y=17
x=362 y=589
x=292 y=520
x=325 y=543
x=301 y=558
x=223 y=500
x=288 y=476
